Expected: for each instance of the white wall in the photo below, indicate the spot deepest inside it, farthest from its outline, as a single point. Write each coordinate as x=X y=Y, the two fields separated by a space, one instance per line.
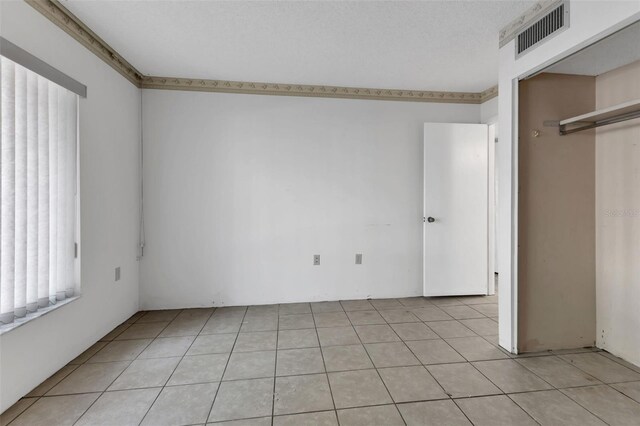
x=589 y=21
x=109 y=130
x=489 y=111
x=618 y=219
x=241 y=191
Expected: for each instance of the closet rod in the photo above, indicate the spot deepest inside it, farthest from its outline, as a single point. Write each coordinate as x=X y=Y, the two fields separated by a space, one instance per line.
x=593 y=125
x=615 y=114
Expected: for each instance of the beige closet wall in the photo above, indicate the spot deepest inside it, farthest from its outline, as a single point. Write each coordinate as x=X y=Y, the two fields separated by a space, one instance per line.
x=618 y=219
x=556 y=218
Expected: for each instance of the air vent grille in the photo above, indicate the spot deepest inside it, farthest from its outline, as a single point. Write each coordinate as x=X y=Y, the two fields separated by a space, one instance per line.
x=549 y=24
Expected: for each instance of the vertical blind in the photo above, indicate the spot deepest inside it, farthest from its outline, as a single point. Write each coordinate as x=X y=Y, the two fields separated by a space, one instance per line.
x=38 y=193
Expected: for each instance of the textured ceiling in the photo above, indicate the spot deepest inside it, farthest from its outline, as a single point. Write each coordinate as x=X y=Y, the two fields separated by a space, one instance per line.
x=422 y=45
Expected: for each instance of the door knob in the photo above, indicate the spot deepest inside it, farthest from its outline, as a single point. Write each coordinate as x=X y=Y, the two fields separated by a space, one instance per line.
x=430 y=219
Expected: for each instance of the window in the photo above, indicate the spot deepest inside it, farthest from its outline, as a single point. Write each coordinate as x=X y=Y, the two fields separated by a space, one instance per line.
x=38 y=193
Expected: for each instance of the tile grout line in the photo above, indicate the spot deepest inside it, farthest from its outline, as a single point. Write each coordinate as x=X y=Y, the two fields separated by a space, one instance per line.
x=123 y=370
x=179 y=362
x=326 y=373
x=226 y=364
x=375 y=368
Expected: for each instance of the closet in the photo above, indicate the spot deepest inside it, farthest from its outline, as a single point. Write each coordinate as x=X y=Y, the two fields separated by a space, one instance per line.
x=579 y=201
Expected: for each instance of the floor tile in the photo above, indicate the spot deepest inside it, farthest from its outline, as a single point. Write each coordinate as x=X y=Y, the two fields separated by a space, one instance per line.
x=251 y=365
x=321 y=418
x=376 y=333
x=391 y=355
x=167 y=347
x=181 y=405
x=296 y=322
x=446 y=300
x=46 y=386
x=331 y=319
x=336 y=336
x=476 y=349
x=358 y=389
x=431 y=313
x=557 y=372
x=478 y=300
x=295 y=308
x=385 y=303
x=631 y=389
x=201 y=314
x=551 y=408
x=387 y=415
x=606 y=403
x=266 y=323
x=258 y=421
x=510 y=376
x=123 y=350
x=488 y=309
x=263 y=309
x=450 y=329
x=602 y=368
x=414 y=331
x=15 y=410
x=415 y=302
x=221 y=325
x=434 y=352
x=342 y=358
x=142 y=331
x=256 y=341
x=199 y=369
x=299 y=361
x=326 y=307
x=407 y=384
x=84 y=356
x=146 y=373
x=433 y=413
x=135 y=317
x=462 y=380
x=115 y=332
x=482 y=326
x=243 y=399
x=184 y=327
x=212 y=344
x=89 y=378
x=356 y=305
x=462 y=312
x=365 y=317
x=393 y=316
x=122 y=408
x=299 y=394
x=496 y=410
x=621 y=361
x=293 y=339
x=58 y=410
x=159 y=316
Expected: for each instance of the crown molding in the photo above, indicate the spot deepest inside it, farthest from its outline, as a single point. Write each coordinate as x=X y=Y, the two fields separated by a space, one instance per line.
x=255 y=88
x=63 y=18
x=511 y=30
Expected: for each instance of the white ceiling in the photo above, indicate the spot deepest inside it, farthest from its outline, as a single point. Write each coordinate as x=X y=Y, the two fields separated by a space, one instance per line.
x=422 y=45
x=617 y=50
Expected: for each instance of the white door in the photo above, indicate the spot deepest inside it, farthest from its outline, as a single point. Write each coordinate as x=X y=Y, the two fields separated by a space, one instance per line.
x=456 y=205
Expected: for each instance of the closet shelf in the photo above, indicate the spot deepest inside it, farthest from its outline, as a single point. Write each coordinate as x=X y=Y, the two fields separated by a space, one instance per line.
x=602 y=117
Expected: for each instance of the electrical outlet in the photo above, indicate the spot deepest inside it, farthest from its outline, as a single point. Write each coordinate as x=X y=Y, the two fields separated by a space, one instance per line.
x=118 y=273
x=358 y=258
x=316 y=259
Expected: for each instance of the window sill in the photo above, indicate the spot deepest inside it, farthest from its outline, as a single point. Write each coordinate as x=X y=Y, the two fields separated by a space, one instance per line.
x=5 y=328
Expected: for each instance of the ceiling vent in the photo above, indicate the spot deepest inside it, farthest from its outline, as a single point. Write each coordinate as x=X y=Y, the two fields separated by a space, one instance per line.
x=543 y=29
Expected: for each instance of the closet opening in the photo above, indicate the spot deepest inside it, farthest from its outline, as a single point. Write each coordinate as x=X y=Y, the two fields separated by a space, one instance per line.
x=579 y=201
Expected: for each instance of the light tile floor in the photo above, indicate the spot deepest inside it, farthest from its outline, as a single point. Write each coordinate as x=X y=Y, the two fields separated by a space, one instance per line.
x=413 y=361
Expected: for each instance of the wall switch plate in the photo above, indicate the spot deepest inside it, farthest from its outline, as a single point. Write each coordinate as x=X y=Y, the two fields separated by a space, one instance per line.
x=118 y=273
x=358 y=258
x=316 y=259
